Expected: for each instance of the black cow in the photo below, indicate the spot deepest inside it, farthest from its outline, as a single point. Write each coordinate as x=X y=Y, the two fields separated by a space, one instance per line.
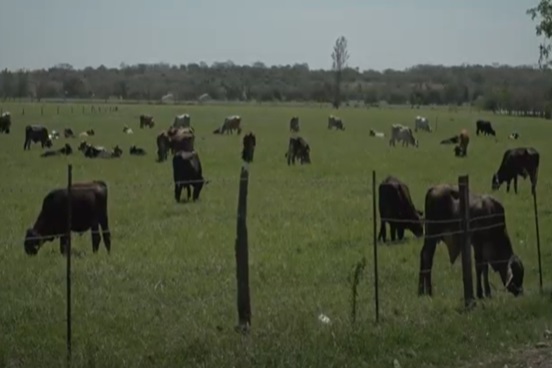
x=187 y=172
x=488 y=235
x=68 y=133
x=517 y=161
x=36 y=133
x=249 y=144
x=397 y=209
x=294 y=124
x=65 y=150
x=136 y=151
x=485 y=127
x=5 y=122
x=88 y=212
x=298 y=148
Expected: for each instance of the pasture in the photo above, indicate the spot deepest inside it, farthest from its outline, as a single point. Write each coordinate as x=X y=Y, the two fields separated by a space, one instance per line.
x=166 y=296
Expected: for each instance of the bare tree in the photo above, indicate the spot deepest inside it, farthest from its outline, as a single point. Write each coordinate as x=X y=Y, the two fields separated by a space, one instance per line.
x=340 y=56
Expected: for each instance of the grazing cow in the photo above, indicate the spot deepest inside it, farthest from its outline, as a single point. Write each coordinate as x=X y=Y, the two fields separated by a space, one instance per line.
x=127 y=130
x=5 y=122
x=181 y=121
x=397 y=209
x=298 y=148
x=294 y=124
x=136 y=151
x=462 y=149
x=36 y=133
x=488 y=235
x=87 y=133
x=249 y=143
x=421 y=123
x=230 y=124
x=485 y=127
x=517 y=161
x=402 y=133
x=376 y=134
x=68 y=133
x=146 y=121
x=88 y=212
x=452 y=140
x=187 y=172
x=514 y=136
x=65 y=150
x=335 y=122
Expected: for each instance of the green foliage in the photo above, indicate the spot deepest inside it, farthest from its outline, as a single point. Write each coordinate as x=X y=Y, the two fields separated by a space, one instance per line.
x=543 y=12
x=166 y=296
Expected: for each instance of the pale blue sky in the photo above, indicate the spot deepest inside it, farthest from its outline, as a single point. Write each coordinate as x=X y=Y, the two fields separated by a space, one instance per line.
x=381 y=33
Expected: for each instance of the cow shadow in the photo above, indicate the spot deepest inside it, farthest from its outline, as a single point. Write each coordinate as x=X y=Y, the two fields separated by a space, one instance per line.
x=394 y=242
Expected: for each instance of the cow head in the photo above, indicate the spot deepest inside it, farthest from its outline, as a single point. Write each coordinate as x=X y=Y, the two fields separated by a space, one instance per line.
x=417 y=227
x=495 y=183
x=514 y=276
x=33 y=242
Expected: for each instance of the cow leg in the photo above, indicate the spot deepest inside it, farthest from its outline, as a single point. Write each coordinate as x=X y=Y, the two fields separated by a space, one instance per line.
x=188 y=192
x=515 y=184
x=508 y=185
x=95 y=230
x=478 y=269
x=393 y=227
x=63 y=243
x=400 y=231
x=383 y=232
x=177 y=191
x=426 y=264
x=106 y=234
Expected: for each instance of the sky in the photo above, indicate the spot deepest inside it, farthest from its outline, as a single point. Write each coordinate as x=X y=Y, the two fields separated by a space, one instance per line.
x=381 y=34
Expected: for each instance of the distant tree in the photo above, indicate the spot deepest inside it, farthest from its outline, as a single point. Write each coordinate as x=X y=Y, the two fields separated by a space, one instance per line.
x=543 y=11
x=22 y=84
x=340 y=56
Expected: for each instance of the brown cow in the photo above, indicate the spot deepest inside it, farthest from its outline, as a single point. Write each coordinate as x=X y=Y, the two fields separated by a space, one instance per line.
x=461 y=150
x=298 y=148
x=395 y=203
x=88 y=212
x=517 y=161
x=146 y=121
x=488 y=235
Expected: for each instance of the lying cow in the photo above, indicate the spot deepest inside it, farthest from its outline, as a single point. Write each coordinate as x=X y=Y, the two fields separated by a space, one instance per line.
x=127 y=130
x=335 y=122
x=488 y=235
x=87 y=133
x=461 y=150
x=230 y=124
x=298 y=148
x=187 y=172
x=5 y=122
x=376 y=134
x=396 y=209
x=517 y=162
x=88 y=212
x=421 y=123
x=91 y=151
x=35 y=134
x=403 y=134
x=452 y=140
x=514 y=136
x=249 y=143
x=136 y=151
x=485 y=127
x=182 y=121
x=294 y=124
x=65 y=150
x=68 y=133
x=146 y=121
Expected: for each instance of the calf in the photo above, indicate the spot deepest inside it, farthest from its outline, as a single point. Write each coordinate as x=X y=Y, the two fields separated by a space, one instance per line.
x=65 y=150
x=249 y=143
x=88 y=212
x=135 y=151
x=488 y=235
x=517 y=162
x=5 y=122
x=404 y=134
x=187 y=172
x=298 y=148
x=36 y=133
x=514 y=136
x=397 y=209
x=484 y=127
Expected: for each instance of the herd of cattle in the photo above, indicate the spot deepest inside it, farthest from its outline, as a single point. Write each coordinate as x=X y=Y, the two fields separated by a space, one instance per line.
x=490 y=239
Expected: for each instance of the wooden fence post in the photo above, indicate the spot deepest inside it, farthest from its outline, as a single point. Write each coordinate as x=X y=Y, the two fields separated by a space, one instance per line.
x=68 y=255
x=242 y=254
x=463 y=186
x=538 y=237
x=375 y=243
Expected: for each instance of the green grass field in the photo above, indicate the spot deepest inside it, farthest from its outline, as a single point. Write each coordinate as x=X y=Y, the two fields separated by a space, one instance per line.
x=166 y=296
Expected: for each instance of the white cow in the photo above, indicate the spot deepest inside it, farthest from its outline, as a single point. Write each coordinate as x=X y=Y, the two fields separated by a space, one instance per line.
x=422 y=124
x=182 y=121
x=127 y=130
x=402 y=133
x=374 y=133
